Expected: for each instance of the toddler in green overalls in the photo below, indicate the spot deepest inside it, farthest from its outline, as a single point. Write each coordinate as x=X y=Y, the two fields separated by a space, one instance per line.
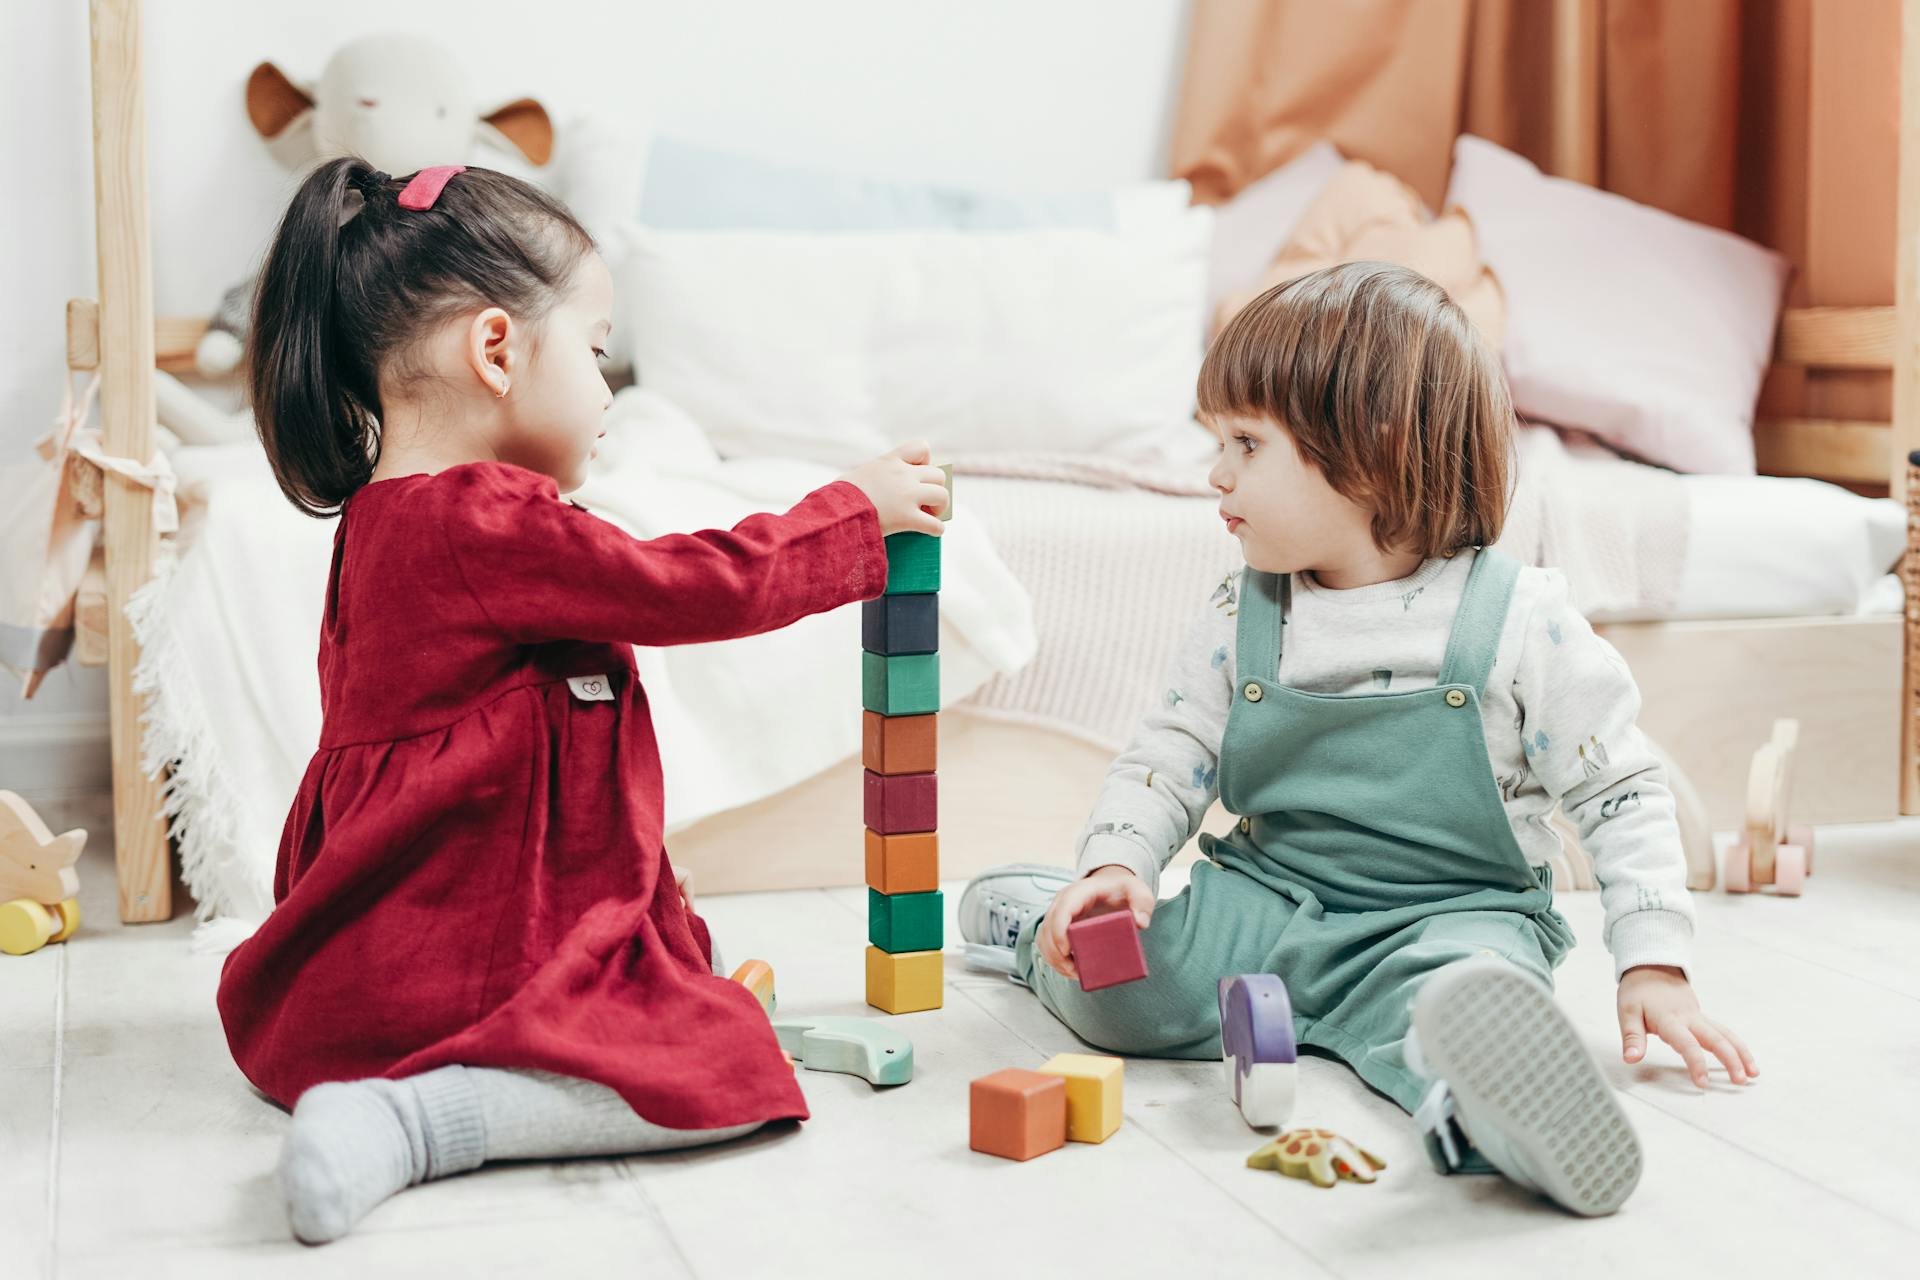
x=1393 y=711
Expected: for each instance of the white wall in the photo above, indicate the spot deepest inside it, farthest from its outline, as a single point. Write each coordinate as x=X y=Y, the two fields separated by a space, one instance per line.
x=1037 y=94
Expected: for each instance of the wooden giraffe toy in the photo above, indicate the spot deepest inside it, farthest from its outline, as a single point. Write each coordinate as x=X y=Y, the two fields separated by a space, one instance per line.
x=1769 y=852
x=38 y=889
x=1320 y=1156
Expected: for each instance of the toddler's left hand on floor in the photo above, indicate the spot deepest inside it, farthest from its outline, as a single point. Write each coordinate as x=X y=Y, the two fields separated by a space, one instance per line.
x=1659 y=999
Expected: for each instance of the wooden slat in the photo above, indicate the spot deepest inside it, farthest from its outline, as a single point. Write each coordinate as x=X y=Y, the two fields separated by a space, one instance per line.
x=1906 y=384
x=174 y=338
x=1577 y=37
x=83 y=333
x=92 y=646
x=1826 y=449
x=1837 y=338
x=126 y=346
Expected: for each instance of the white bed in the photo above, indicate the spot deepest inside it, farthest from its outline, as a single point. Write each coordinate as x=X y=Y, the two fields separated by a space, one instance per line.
x=1067 y=581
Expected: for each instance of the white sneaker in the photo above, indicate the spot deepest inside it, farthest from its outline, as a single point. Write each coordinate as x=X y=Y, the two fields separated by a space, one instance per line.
x=997 y=904
x=1510 y=1070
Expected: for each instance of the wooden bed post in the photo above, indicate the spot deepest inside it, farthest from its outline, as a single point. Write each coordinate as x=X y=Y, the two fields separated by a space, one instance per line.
x=1578 y=37
x=126 y=414
x=1906 y=389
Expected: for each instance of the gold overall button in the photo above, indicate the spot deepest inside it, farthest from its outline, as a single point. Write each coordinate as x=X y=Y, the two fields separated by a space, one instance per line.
x=1456 y=698
x=1246 y=825
x=1253 y=692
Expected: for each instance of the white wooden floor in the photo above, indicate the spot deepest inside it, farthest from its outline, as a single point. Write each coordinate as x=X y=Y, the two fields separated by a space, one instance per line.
x=130 y=1144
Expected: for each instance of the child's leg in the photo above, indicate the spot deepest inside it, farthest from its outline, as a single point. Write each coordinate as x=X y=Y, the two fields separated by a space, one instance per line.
x=1368 y=1027
x=1222 y=924
x=354 y=1144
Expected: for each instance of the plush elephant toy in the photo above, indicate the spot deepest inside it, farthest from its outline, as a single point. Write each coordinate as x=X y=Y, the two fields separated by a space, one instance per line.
x=399 y=100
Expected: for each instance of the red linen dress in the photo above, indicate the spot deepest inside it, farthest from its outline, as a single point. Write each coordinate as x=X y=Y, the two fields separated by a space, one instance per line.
x=473 y=871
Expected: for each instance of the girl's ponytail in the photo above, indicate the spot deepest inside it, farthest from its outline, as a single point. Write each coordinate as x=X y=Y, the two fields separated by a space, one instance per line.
x=316 y=412
x=354 y=282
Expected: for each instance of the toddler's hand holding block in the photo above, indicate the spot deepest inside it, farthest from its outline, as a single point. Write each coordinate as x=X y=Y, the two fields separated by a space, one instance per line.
x=1106 y=950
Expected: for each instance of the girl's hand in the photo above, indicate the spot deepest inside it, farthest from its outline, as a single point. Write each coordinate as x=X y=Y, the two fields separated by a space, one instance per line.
x=1106 y=888
x=1658 y=998
x=908 y=494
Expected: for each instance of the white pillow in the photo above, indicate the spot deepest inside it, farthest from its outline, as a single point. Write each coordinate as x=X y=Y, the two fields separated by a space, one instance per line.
x=1250 y=230
x=837 y=346
x=1650 y=331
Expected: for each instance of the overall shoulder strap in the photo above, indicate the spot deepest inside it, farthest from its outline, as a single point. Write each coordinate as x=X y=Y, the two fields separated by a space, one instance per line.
x=1257 y=641
x=1475 y=637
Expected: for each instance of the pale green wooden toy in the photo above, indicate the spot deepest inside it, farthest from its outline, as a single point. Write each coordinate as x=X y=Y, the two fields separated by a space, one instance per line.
x=865 y=1047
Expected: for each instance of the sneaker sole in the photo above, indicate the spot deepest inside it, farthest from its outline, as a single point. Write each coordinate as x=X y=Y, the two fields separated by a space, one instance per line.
x=1010 y=871
x=1514 y=1063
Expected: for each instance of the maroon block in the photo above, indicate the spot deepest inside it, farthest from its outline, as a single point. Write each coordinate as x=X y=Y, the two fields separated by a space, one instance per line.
x=1106 y=950
x=902 y=802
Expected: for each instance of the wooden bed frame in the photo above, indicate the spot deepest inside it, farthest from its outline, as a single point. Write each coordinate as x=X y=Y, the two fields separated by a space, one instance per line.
x=1713 y=689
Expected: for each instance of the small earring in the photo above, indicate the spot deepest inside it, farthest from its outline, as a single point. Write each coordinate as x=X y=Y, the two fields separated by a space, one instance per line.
x=501 y=393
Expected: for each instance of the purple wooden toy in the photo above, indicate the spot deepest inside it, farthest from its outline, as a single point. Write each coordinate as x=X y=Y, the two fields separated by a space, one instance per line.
x=1256 y=1039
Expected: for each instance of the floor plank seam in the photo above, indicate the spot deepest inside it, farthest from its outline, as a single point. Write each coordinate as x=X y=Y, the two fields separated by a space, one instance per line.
x=623 y=1168
x=53 y=1123
x=1796 y=1174
x=1766 y=944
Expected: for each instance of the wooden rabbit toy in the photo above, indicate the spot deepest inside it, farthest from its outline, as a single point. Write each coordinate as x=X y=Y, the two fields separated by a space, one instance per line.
x=38 y=889
x=1769 y=853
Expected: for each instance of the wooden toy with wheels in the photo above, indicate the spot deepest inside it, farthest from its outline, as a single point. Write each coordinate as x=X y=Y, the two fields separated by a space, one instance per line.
x=1768 y=852
x=38 y=889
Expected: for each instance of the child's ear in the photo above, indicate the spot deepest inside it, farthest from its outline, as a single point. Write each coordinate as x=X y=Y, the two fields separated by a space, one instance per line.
x=490 y=349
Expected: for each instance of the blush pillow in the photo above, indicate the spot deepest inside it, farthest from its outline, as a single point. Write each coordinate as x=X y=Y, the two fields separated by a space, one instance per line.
x=1647 y=330
x=1249 y=229
x=1363 y=214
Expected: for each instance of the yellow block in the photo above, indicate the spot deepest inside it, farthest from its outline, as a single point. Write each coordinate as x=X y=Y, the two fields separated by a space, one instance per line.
x=1093 y=1094
x=904 y=983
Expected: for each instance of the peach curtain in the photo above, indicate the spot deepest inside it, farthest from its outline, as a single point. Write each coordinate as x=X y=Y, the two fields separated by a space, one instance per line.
x=1777 y=119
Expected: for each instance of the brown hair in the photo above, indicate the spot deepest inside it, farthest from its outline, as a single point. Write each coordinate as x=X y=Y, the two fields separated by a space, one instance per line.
x=1385 y=386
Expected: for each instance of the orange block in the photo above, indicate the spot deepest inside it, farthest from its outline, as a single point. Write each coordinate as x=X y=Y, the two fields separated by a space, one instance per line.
x=905 y=863
x=899 y=744
x=1017 y=1114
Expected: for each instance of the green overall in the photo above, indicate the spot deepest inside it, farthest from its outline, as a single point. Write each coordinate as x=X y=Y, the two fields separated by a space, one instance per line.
x=1374 y=848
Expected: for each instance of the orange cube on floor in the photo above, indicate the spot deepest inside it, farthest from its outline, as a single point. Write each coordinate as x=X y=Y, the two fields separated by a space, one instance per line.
x=900 y=744
x=1017 y=1114
x=907 y=863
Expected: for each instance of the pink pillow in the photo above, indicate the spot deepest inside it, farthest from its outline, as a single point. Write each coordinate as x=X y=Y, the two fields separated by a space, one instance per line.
x=1647 y=330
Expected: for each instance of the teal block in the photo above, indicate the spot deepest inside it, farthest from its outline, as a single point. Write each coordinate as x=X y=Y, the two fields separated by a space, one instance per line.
x=906 y=921
x=900 y=684
x=913 y=564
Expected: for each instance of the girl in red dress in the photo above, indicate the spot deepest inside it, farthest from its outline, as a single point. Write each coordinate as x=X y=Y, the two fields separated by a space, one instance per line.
x=478 y=951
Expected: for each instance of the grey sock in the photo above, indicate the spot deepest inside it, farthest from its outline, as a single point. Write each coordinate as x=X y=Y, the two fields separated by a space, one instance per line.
x=353 y=1145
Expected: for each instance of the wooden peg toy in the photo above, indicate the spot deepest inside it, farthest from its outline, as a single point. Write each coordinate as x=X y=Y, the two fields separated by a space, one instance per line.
x=757 y=977
x=1256 y=1039
x=1106 y=950
x=864 y=1047
x=1768 y=853
x=1093 y=1094
x=1017 y=1114
x=39 y=892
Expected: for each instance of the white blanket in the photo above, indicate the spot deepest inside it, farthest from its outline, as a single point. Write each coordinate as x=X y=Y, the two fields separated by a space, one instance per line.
x=230 y=633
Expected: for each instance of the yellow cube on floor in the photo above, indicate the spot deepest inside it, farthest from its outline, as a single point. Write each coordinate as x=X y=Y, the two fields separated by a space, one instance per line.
x=904 y=983
x=1093 y=1094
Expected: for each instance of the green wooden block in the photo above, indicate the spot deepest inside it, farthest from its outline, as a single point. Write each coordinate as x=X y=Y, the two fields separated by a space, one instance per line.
x=905 y=921
x=913 y=564
x=901 y=684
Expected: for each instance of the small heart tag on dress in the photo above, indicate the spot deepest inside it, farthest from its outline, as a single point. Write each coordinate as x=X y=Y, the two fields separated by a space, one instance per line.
x=591 y=688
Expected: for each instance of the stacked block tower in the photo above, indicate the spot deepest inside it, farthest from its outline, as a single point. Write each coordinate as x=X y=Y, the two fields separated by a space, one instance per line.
x=900 y=691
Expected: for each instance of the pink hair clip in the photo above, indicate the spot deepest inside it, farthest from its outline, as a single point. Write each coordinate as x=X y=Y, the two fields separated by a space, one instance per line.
x=426 y=186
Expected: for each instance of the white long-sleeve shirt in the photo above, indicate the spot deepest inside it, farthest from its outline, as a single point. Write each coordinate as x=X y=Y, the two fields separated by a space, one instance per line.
x=1558 y=713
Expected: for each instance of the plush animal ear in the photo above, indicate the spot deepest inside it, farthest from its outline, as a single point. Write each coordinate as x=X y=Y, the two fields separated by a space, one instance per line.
x=525 y=124
x=273 y=101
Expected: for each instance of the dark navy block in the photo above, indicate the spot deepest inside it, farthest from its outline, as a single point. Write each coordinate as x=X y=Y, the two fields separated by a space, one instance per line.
x=901 y=624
